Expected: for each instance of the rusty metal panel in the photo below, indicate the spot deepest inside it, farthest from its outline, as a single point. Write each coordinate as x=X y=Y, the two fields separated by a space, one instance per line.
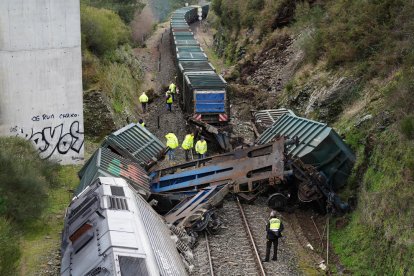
x=246 y=168
x=191 y=207
x=106 y=163
x=266 y=118
x=136 y=143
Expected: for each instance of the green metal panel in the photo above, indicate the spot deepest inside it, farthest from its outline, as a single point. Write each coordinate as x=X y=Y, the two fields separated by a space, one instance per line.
x=187 y=49
x=106 y=163
x=191 y=56
x=205 y=81
x=136 y=143
x=183 y=33
x=319 y=146
x=191 y=66
x=185 y=42
x=183 y=37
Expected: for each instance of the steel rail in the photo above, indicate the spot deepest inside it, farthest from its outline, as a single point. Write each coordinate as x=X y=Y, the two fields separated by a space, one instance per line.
x=209 y=256
x=256 y=253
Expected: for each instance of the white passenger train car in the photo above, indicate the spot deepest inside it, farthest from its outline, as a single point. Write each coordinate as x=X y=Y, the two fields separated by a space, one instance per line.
x=111 y=230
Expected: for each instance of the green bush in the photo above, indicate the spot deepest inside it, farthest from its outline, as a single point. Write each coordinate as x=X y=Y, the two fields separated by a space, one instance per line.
x=10 y=248
x=103 y=30
x=126 y=9
x=25 y=179
x=407 y=127
x=351 y=31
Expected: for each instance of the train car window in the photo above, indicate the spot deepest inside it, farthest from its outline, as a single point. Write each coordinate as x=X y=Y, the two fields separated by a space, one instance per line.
x=132 y=266
x=117 y=191
x=81 y=237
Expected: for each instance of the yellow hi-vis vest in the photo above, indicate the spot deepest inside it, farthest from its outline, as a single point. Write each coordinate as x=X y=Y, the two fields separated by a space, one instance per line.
x=169 y=99
x=172 y=88
x=201 y=147
x=143 y=98
x=143 y=124
x=188 y=142
x=274 y=224
x=172 y=141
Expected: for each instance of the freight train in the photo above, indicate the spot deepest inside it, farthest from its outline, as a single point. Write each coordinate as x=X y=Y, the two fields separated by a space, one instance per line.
x=110 y=229
x=203 y=93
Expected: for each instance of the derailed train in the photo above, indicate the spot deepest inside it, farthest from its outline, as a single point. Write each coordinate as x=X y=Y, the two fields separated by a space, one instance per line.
x=110 y=229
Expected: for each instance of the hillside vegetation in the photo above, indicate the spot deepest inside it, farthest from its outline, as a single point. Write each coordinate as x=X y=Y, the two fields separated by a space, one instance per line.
x=23 y=174
x=357 y=74
x=108 y=63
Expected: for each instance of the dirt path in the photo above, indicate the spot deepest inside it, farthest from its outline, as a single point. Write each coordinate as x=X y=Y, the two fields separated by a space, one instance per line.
x=159 y=67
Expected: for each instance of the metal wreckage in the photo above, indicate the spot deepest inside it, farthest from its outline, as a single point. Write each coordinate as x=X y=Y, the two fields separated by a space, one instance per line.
x=293 y=161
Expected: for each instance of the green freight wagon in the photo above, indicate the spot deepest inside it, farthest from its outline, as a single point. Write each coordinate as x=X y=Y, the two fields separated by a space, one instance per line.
x=319 y=145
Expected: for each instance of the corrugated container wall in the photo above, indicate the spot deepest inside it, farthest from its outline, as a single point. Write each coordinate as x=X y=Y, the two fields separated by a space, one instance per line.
x=319 y=145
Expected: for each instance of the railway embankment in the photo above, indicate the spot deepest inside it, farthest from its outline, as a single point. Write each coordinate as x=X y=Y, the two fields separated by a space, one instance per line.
x=352 y=70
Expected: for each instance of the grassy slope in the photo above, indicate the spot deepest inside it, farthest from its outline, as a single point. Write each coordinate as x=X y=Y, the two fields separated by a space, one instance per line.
x=42 y=238
x=369 y=41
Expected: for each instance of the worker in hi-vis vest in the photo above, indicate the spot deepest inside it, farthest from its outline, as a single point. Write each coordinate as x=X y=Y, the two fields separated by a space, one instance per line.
x=143 y=99
x=274 y=230
x=188 y=145
x=168 y=100
x=172 y=89
x=201 y=148
x=172 y=143
x=141 y=122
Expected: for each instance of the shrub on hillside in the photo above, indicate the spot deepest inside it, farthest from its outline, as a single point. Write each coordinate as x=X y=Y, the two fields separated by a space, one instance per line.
x=24 y=180
x=350 y=31
x=103 y=30
x=10 y=250
x=407 y=127
x=126 y=9
x=119 y=85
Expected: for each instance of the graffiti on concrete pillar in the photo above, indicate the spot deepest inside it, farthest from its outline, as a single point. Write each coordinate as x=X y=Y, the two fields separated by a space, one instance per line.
x=50 y=140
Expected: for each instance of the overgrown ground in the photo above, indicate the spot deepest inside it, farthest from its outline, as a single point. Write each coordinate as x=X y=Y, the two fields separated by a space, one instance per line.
x=40 y=243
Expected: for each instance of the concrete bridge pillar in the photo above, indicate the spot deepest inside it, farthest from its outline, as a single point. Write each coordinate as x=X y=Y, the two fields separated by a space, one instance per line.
x=41 y=76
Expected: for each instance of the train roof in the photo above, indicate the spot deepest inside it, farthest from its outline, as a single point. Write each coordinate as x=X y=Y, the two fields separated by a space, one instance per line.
x=202 y=80
x=183 y=42
x=189 y=66
x=187 y=49
x=191 y=56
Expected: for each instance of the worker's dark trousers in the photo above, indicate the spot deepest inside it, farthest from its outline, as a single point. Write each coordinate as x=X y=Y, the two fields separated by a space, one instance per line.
x=188 y=154
x=268 y=246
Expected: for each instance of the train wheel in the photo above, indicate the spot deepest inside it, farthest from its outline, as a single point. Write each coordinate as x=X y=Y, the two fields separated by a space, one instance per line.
x=277 y=201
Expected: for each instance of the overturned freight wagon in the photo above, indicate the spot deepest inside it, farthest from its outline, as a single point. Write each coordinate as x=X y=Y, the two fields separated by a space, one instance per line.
x=105 y=163
x=246 y=169
x=136 y=143
x=250 y=172
x=315 y=144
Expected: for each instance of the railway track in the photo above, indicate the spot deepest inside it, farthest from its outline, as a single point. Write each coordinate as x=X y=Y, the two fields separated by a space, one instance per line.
x=231 y=251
